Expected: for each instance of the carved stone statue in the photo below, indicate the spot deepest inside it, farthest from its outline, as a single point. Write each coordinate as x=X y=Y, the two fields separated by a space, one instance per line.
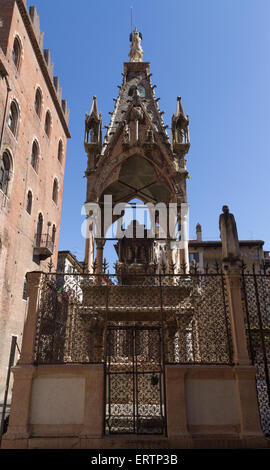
x=136 y=52
x=229 y=236
x=149 y=136
x=137 y=114
x=126 y=134
x=180 y=136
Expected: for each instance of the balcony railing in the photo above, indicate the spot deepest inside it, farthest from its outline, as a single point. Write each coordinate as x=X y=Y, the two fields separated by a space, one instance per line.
x=43 y=246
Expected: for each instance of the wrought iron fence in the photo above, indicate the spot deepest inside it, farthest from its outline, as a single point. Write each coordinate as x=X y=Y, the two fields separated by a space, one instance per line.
x=256 y=303
x=75 y=310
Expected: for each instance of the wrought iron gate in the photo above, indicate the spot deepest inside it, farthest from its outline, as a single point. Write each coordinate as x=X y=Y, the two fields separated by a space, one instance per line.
x=134 y=380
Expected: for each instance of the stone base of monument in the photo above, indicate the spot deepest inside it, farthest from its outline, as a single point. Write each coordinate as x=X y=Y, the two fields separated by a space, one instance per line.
x=62 y=407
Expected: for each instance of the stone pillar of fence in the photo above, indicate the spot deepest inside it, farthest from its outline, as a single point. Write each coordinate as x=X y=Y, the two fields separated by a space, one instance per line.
x=18 y=428
x=24 y=371
x=29 y=332
x=238 y=329
x=176 y=402
x=232 y=270
x=93 y=410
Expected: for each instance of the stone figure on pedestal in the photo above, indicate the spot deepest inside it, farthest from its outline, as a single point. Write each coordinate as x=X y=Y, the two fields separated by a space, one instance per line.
x=229 y=236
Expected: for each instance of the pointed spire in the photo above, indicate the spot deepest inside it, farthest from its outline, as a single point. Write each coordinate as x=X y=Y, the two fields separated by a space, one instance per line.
x=180 y=125
x=94 y=111
x=136 y=52
x=93 y=125
x=179 y=108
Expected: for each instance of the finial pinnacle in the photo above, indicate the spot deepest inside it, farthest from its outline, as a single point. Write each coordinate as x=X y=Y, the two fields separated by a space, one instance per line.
x=136 y=52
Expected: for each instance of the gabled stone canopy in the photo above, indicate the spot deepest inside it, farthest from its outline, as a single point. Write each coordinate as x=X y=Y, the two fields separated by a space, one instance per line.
x=136 y=149
x=136 y=159
x=136 y=75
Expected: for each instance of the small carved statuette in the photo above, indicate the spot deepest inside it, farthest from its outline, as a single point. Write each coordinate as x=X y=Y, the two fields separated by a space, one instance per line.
x=149 y=136
x=126 y=134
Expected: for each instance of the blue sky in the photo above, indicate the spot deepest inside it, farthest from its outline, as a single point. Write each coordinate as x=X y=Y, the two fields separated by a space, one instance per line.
x=212 y=53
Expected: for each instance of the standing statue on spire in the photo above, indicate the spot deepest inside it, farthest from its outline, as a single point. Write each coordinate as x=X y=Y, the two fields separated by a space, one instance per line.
x=136 y=52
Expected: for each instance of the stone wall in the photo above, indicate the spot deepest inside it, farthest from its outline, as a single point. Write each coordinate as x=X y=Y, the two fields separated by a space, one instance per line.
x=62 y=407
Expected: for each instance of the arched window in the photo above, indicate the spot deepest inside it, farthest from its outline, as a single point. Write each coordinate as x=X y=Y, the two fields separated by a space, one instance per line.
x=60 y=151
x=38 y=102
x=16 y=53
x=48 y=124
x=13 y=118
x=39 y=229
x=35 y=156
x=29 y=202
x=55 y=191
x=5 y=170
x=131 y=90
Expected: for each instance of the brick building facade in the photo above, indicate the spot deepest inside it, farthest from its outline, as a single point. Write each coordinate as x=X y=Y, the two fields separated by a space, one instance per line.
x=207 y=253
x=34 y=132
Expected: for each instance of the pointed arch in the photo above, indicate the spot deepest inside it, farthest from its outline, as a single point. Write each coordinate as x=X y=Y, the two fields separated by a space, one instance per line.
x=17 y=52
x=29 y=202
x=55 y=191
x=48 y=124
x=35 y=155
x=6 y=166
x=146 y=178
x=38 y=102
x=60 y=151
x=39 y=229
x=13 y=118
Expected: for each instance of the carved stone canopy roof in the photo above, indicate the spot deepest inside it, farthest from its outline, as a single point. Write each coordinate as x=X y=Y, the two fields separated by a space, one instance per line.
x=137 y=172
x=93 y=115
x=137 y=159
x=136 y=78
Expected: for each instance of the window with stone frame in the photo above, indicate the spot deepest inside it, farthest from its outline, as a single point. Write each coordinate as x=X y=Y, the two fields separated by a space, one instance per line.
x=60 y=151
x=13 y=119
x=17 y=53
x=38 y=102
x=131 y=90
x=48 y=124
x=5 y=172
x=29 y=202
x=39 y=229
x=35 y=156
x=55 y=191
